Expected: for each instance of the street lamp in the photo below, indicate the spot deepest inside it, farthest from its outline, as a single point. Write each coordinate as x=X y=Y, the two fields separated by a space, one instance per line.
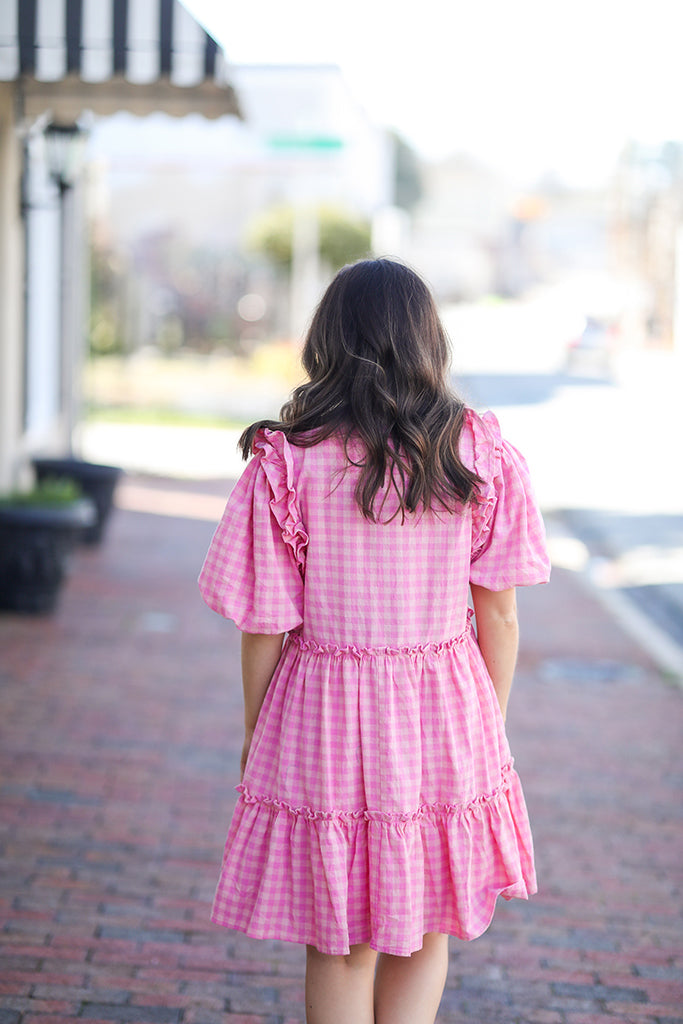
x=64 y=151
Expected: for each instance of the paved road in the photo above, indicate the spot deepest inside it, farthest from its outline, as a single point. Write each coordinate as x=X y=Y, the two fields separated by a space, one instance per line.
x=119 y=748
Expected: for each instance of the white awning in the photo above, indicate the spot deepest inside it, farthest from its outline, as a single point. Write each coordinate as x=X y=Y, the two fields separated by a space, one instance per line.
x=68 y=56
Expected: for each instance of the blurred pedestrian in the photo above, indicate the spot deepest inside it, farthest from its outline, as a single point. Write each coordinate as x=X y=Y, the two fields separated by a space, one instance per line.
x=379 y=809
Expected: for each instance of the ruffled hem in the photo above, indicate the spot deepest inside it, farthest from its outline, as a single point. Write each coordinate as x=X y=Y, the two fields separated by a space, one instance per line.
x=278 y=465
x=476 y=807
x=334 y=881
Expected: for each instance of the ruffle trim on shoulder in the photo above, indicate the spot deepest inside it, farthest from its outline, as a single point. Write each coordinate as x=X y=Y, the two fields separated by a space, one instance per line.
x=487 y=447
x=508 y=538
x=355 y=651
x=476 y=808
x=487 y=444
x=278 y=465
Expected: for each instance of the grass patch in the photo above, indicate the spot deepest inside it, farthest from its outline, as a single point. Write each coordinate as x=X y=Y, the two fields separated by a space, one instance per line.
x=142 y=416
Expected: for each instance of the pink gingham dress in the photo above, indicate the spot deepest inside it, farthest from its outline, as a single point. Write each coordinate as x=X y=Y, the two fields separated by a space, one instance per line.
x=379 y=800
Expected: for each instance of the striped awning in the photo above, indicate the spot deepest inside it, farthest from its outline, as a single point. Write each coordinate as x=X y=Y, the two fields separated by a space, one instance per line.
x=68 y=56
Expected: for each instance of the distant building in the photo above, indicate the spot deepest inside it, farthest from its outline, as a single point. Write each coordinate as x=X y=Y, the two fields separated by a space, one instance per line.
x=305 y=140
x=457 y=227
x=647 y=236
x=314 y=139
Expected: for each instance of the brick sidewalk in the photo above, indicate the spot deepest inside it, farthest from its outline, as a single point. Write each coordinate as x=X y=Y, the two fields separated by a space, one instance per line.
x=121 y=733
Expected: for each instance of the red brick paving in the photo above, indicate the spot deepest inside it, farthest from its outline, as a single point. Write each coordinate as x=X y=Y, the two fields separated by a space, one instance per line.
x=120 y=720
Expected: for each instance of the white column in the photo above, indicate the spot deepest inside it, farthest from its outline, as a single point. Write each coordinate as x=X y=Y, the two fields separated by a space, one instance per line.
x=11 y=291
x=44 y=367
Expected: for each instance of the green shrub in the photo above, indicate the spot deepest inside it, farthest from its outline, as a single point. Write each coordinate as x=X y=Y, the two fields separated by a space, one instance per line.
x=50 y=492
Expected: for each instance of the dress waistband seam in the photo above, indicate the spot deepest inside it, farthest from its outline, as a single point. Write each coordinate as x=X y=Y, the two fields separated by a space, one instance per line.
x=313 y=646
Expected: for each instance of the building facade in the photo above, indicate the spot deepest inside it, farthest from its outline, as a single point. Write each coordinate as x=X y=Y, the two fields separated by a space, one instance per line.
x=60 y=64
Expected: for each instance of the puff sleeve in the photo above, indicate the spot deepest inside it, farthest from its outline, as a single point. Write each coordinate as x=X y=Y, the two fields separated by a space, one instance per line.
x=254 y=569
x=508 y=535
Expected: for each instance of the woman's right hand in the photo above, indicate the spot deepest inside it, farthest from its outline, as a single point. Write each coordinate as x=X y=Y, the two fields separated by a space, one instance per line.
x=246 y=746
x=498 y=637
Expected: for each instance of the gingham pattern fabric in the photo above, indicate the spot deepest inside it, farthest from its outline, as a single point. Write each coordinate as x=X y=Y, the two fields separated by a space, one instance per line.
x=379 y=800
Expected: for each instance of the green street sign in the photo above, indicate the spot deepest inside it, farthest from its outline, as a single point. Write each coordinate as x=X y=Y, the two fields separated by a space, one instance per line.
x=306 y=143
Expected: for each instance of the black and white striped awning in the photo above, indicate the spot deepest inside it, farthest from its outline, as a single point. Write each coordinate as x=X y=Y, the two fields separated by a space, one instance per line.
x=107 y=55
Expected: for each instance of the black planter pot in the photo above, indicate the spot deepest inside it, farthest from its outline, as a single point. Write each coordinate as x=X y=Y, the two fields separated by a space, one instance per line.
x=96 y=482
x=35 y=542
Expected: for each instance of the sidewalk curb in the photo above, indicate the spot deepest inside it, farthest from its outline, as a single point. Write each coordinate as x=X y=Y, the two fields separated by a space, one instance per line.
x=569 y=551
x=664 y=651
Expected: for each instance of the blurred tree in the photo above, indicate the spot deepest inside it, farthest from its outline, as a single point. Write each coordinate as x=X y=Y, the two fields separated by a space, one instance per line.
x=343 y=236
x=105 y=282
x=164 y=292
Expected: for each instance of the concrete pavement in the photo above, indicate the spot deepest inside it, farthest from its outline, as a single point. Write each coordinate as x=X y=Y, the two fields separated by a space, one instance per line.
x=120 y=720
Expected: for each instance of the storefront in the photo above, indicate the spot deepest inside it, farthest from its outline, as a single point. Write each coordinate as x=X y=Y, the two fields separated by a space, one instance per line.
x=61 y=63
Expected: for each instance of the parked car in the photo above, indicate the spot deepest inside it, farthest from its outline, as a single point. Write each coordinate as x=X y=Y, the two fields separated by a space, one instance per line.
x=591 y=353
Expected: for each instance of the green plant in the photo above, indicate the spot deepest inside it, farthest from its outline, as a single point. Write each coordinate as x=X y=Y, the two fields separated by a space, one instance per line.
x=52 y=492
x=343 y=236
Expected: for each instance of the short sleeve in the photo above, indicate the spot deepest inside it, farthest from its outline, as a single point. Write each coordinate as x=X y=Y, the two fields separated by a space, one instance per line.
x=508 y=535
x=254 y=569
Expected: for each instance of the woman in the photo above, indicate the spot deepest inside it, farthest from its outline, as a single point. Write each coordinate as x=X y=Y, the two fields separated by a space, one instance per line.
x=379 y=809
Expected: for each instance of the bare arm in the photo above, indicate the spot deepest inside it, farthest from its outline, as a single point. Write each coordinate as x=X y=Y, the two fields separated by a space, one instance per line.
x=498 y=636
x=260 y=655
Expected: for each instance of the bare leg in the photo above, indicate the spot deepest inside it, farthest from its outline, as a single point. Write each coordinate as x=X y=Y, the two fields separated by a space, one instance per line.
x=408 y=989
x=339 y=988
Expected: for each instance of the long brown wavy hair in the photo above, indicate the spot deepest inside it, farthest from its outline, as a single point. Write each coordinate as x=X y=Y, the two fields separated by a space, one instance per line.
x=377 y=358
